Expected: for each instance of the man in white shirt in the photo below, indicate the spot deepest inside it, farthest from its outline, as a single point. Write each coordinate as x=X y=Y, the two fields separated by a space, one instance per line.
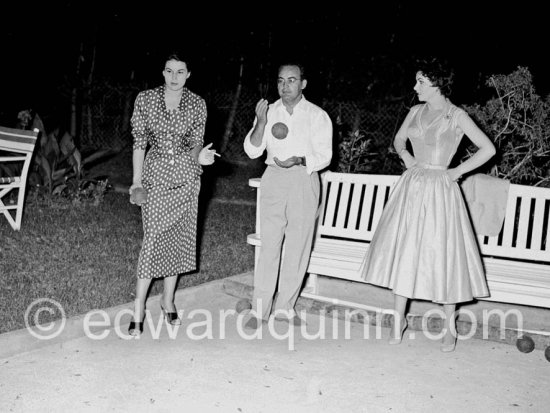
x=297 y=136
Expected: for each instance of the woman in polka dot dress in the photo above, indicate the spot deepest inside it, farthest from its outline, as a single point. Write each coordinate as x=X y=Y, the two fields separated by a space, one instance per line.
x=171 y=119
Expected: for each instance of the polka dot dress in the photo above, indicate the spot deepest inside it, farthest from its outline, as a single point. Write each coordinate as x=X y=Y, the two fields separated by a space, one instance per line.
x=172 y=179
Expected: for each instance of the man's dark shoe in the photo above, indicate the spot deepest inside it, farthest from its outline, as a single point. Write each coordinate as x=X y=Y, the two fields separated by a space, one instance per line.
x=295 y=320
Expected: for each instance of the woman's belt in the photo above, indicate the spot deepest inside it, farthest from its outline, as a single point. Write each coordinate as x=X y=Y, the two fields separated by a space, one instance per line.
x=424 y=165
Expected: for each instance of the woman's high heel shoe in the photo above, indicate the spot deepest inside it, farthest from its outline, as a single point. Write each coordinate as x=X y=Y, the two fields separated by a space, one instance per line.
x=397 y=340
x=448 y=348
x=172 y=317
x=135 y=329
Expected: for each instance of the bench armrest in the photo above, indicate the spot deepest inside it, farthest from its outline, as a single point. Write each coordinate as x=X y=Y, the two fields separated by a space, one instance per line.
x=256 y=183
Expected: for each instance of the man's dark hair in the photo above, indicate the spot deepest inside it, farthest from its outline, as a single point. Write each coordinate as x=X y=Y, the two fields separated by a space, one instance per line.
x=294 y=63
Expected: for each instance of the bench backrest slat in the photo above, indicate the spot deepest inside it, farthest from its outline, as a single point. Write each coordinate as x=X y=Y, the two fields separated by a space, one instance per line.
x=538 y=222
x=365 y=218
x=353 y=204
x=344 y=198
x=521 y=231
x=525 y=233
x=330 y=203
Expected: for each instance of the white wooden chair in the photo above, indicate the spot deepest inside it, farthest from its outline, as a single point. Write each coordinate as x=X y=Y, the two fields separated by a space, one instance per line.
x=18 y=145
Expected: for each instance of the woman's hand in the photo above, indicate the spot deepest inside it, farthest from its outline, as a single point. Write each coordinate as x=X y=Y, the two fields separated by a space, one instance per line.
x=132 y=187
x=206 y=155
x=408 y=159
x=454 y=174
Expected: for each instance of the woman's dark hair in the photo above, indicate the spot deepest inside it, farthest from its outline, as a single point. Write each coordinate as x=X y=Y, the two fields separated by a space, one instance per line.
x=439 y=73
x=178 y=57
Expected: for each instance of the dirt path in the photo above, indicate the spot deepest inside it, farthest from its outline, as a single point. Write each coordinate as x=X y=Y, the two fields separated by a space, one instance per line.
x=230 y=372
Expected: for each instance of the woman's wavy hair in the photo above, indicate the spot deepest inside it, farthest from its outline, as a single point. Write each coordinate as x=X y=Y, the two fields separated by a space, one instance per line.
x=178 y=56
x=439 y=73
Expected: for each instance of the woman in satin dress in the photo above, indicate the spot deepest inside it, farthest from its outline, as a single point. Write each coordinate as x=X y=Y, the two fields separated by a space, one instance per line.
x=425 y=247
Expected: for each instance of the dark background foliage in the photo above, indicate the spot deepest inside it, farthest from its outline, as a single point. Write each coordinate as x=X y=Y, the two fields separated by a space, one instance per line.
x=355 y=51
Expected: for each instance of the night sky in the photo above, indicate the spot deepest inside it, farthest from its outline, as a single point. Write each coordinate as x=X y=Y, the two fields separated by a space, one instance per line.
x=40 y=44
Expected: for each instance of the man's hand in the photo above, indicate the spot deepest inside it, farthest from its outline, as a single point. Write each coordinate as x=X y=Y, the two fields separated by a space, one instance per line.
x=261 y=120
x=261 y=111
x=293 y=160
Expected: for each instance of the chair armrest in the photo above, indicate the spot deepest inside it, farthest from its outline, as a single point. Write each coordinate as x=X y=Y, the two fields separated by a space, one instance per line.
x=12 y=158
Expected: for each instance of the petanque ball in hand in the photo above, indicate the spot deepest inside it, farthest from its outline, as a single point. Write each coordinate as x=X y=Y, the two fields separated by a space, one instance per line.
x=243 y=305
x=139 y=196
x=525 y=344
x=279 y=130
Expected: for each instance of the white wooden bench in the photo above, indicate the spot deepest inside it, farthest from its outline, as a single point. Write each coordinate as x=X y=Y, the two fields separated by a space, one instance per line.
x=517 y=261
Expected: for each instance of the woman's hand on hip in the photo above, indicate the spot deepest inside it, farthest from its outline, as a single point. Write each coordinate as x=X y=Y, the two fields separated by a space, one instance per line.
x=454 y=174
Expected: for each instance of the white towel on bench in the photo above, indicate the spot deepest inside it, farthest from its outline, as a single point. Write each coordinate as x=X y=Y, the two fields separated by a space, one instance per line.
x=486 y=197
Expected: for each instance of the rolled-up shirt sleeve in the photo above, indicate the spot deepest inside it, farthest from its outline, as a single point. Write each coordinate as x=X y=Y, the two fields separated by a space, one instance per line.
x=321 y=144
x=252 y=151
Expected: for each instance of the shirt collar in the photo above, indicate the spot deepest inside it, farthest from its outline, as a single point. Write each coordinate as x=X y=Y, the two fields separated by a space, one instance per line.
x=301 y=105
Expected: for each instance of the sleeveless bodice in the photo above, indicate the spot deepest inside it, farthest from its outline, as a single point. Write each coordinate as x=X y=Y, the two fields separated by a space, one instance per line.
x=436 y=143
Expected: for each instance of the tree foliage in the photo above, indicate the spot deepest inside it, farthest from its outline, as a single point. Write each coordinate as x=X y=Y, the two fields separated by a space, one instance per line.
x=518 y=122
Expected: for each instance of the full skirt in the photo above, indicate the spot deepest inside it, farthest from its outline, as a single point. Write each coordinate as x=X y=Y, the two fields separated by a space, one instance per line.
x=424 y=246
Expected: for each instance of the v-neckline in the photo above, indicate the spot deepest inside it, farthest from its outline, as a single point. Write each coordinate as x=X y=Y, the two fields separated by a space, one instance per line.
x=178 y=106
x=434 y=120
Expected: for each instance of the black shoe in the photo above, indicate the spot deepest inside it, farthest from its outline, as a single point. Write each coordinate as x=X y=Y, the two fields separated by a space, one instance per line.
x=254 y=323
x=171 y=318
x=135 y=329
x=294 y=320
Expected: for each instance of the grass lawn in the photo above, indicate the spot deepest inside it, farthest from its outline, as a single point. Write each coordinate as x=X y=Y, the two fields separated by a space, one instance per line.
x=85 y=257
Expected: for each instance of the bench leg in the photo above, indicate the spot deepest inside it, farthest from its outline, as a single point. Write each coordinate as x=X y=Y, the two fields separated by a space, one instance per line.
x=312 y=286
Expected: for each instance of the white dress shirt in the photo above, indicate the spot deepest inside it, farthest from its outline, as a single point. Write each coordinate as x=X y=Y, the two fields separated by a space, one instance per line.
x=309 y=135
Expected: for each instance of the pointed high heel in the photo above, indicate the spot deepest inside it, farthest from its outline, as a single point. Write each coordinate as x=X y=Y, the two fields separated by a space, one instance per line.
x=135 y=329
x=448 y=348
x=171 y=318
x=397 y=340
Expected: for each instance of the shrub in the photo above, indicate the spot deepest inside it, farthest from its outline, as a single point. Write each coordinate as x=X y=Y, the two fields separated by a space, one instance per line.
x=354 y=152
x=58 y=165
x=517 y=120
x=364 y=152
